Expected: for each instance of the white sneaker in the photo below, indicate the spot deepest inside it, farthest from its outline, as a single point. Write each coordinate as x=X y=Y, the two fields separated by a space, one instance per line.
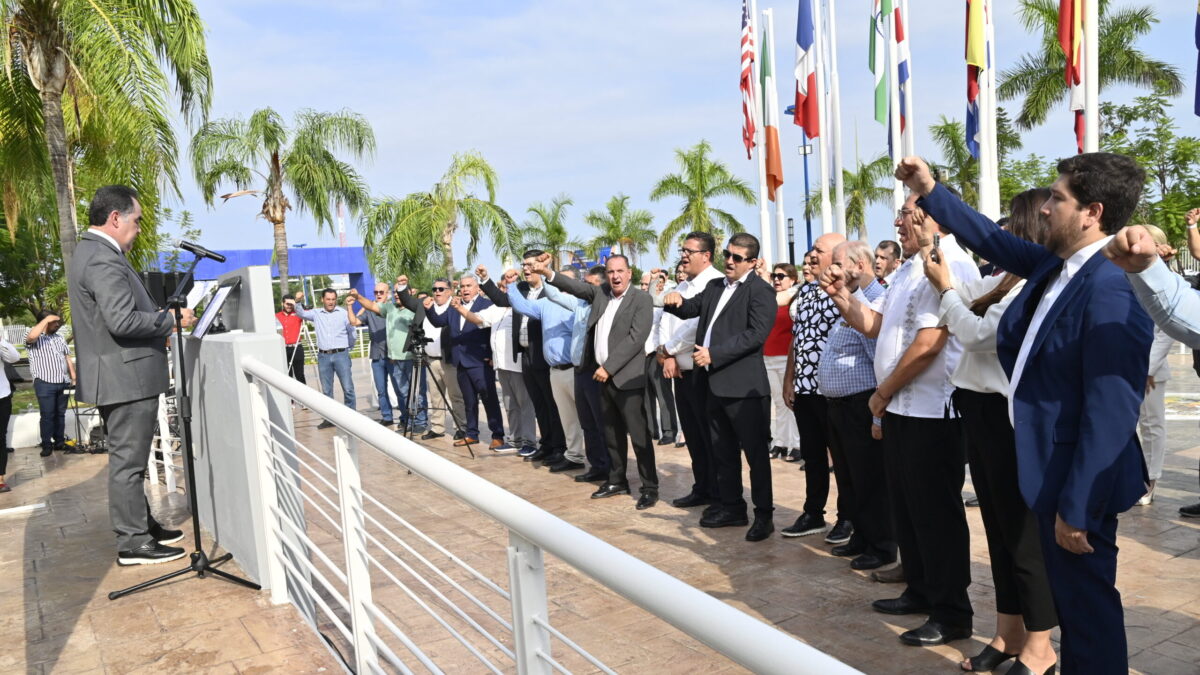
x=1147 y=498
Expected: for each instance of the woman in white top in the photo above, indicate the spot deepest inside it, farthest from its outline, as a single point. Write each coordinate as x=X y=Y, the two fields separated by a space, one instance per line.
x=8 y=354
x=1152 y=425
x=972 y=310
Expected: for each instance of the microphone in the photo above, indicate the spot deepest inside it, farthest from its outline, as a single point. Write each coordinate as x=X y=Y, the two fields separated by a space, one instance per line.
x=199 y=250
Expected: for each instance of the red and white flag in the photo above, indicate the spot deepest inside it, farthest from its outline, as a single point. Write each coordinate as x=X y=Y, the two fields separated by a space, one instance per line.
x=807 y=111
x=1070 y=38
x=747 y=80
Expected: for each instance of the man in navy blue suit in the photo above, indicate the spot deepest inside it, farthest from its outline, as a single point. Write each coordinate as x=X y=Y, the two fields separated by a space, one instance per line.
x=472 y=357
x=1075 y=345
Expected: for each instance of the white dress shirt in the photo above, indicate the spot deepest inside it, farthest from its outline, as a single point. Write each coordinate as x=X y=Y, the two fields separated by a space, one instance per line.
x=500 y=320
x=1055 y=288
x=604 y=326
x=679 y=335
x=726 y=293
x=434 y=349
x=979 y=368
x=909 y=305
x=107 y=237
x=8 y=354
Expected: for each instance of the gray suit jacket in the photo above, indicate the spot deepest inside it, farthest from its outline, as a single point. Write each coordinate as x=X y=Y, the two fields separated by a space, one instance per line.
x=120 y=343
x=626 y=362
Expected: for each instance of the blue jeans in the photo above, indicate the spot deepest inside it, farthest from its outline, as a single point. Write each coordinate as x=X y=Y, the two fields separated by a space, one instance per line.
x=52 y=403
x=382 y=371
x=330 y=364
x=402 y=376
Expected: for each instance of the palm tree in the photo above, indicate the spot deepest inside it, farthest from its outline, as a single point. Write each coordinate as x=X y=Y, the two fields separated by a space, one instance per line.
x=111 y=63
x=1038 y=76
x=701 y=179
x=547 y=230
x=957 y=168
x=862 y=189
x=628 y=231
x=398 y=231
x=236 y=151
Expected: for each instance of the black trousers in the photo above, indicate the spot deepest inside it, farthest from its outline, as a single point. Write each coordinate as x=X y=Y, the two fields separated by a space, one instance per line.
x=660 y=402
x=5 y=416
x=591 y=419
x=1014 y=545
x=862 y=473
x=625 y=415
x=924 y=459
x=812 y=421
x=691 y=395
x=295 y=361
x=739 y=425
x=537 y=383
x=478 y=385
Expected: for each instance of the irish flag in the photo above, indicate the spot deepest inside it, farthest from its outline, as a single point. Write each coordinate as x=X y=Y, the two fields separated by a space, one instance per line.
x=770 y=118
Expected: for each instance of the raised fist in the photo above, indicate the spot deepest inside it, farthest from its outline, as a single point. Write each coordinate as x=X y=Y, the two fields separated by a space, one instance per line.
x=481 y=272
x=674 y=299
x=428 y=302
x=1193 y=217
x=915 y=174
x=833 y=280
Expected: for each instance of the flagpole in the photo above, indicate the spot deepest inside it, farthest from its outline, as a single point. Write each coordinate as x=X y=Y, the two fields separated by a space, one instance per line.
x=764 y=216
x=827 y=224
x=1091 y=76
x=989 y=174
x=897 y=143
x=835 y=121
x=910 y=138
x=780 y=222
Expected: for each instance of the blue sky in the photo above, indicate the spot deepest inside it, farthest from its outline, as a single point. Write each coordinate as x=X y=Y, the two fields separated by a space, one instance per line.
x=583 y=98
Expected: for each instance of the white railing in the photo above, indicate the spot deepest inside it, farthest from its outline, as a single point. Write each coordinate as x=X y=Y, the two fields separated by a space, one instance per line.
x=350 y=562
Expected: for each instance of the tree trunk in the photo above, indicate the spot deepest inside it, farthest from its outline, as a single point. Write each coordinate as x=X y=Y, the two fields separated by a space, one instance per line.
x=281 y=257
x=60 y=164
x=448 y=249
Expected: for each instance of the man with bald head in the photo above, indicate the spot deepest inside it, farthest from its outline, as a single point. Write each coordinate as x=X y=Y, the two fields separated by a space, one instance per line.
x=814 y=315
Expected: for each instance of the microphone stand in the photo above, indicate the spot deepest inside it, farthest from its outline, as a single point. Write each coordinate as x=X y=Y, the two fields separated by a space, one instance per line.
x=199 y=561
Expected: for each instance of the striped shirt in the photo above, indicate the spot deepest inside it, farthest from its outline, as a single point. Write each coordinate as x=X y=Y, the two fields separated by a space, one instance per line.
x=48 y=356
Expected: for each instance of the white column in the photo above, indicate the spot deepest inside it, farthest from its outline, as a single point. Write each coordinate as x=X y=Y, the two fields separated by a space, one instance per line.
x=893 y=54
x=1091 y=76
x=827 y=224
x=989 y=157
x=527 y=587
x=358 y=568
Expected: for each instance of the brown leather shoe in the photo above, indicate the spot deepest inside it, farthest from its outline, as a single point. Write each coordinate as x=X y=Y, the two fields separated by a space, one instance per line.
x=497 y=443
x=893 y=576
x=465 y=441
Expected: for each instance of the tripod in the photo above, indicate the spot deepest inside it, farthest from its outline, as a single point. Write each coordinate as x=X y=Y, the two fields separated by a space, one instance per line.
x=199 y=562
x=420 y=373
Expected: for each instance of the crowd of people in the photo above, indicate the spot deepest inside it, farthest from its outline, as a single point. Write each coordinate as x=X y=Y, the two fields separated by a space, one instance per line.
x=897 y=365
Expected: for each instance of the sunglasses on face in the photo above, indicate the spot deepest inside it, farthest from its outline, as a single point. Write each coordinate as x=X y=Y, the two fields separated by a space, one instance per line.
x=729 y=255
x=440 y=289
x=380 y=292
x=778 y=276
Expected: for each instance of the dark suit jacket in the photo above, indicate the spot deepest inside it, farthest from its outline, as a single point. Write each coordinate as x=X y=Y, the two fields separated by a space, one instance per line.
x=120 y=343
x=1076 y=407
x=471 y=345
x=626 y=362
x=738 y=334
x=536 y=354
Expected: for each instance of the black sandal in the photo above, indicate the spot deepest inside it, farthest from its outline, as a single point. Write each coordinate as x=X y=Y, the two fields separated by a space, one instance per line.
x=1019 y=668
x=987 y=660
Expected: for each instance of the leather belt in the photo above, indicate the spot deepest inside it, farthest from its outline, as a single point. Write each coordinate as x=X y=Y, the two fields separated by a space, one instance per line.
x=564 y=367
x=331 y=351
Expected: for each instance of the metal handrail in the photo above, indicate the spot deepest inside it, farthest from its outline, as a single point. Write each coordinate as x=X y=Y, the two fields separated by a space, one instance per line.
x=740 y=637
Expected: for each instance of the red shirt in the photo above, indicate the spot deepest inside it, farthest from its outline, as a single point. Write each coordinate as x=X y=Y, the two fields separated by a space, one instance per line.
x=291 y=326
x=780 y=340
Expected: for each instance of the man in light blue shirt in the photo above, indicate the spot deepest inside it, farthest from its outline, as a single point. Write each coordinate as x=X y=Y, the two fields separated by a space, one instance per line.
x=335 y=329
x=1168 y=298
x=586 y=390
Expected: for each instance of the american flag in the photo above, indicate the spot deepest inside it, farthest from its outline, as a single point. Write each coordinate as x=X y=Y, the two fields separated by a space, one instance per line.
x=747 y=80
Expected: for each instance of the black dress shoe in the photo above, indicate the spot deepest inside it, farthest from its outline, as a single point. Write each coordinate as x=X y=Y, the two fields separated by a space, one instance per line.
x=430 y=435
x=646 y=501
x=165 y=536
x=565 y=465
x=591 y=476
x=690 y=500
x=553 y=459
x=46 y=452
x=542 y=453
x=1019 y=668
x=149 y=554
x=667 y=440
x=710 y=511
x=840 y=533
x=387 y=423
x=610 y=490
x=899 y=606
x=325 y=424
x=805 y=525
x=722 y=518
x=761 y=529
x=868 y=561
x=848 y=550
x=932 y=633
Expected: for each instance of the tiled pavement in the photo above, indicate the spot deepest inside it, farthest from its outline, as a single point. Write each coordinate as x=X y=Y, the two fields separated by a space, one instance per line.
x=55 y=616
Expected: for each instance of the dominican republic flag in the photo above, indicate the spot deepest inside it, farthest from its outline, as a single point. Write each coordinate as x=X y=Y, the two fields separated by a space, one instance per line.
x=902 y=56
x=1070 y=38
x=807 y=111
x=976 y=65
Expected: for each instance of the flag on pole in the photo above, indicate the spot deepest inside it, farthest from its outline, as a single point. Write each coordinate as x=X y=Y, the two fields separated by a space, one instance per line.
x=902 y=68
x=770 y=118
x=1070 y=38
x=1197 y=104
x=747 y=80
x=807 y=111
x=878 y=53
x=976 y=63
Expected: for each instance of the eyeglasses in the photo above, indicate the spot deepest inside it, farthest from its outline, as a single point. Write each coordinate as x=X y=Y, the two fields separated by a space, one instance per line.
x=380 y=292
x=729 y=255
x=686 y=252
x=904 y=212
x=779 y=276
x=440 y=289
